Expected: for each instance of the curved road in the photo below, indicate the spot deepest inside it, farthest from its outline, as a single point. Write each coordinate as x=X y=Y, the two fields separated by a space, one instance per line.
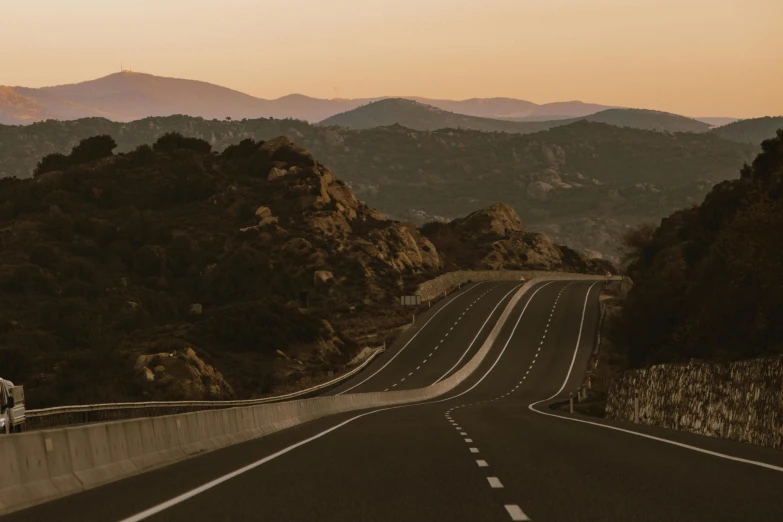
x=488 y=450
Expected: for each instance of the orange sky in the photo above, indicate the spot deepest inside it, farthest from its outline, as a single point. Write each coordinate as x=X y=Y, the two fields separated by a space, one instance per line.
x=694 y=57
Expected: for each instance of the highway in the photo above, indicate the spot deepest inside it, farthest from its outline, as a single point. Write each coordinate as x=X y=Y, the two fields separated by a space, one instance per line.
x=489 y=450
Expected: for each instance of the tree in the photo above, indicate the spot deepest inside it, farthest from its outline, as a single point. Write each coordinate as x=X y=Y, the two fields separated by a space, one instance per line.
x=51 y=162
x=172 y=141
x=93 y=148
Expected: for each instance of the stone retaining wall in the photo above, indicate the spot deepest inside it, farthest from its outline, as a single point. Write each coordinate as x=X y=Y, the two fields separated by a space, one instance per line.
x=742 y=400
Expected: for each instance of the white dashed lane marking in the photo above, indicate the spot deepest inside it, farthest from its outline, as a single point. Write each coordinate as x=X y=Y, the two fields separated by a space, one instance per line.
x=515 y=512
x=494 y=482
x=447 y=333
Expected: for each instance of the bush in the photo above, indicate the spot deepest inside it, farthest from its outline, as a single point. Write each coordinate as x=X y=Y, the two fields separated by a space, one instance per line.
x=261 y=327
x=30 y=279
x=45 y=256
x=52 y=162
x=93 y=148
x=242 y=150
x=172 y=141
x=142 y=155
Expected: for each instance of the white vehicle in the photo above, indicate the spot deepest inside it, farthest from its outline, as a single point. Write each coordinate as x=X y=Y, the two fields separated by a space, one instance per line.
x=11 y=407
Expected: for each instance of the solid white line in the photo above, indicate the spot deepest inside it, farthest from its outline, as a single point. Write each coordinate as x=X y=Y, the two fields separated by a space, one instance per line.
x=513 y=331
x=578 y=340
x=515 y=512
x=494 y=482
x=474 y=450
x=476 y=337
x=631 y=432
x=410 y=340
x=482 y=463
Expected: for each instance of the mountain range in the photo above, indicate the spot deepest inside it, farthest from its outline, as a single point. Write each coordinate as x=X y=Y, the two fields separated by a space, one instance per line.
x=128 y=96
x=419 y=116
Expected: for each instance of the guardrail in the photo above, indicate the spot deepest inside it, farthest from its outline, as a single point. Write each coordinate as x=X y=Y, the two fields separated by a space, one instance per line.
x=83 y=414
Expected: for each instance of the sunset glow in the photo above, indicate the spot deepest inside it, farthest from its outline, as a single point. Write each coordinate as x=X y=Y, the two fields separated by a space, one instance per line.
x=693 y=57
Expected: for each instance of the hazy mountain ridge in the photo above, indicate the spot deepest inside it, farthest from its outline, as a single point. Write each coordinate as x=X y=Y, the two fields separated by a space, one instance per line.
x=419 y=116
x=754 y=130
x=129 y=96
x=582 y=184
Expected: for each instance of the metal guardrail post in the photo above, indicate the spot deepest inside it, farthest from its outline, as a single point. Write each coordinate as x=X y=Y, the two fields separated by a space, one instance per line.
x=570 y=402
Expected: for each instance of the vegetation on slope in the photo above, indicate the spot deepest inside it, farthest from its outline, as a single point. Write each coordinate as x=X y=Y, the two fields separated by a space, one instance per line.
x=753 y=131
x=708 y=282
x=581 y=184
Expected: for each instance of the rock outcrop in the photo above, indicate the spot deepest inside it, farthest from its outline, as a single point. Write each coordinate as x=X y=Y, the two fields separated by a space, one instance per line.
x=495 y=239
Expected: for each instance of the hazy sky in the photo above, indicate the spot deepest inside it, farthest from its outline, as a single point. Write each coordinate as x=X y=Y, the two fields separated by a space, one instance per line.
x=694 y=57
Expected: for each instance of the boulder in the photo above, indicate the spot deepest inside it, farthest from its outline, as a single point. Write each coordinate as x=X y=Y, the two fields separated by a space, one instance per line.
x=343 y=195
x=297 y=245
x=499 y=220
x=182 y=375
x=321 y=277
x=282 y=149
x=275 y=173
x=539 y=190
x=196 y=309
x=262 y=212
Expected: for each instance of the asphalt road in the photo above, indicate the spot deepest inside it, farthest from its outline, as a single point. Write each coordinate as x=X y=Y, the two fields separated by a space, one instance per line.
x=439 y=342
x=479 y=453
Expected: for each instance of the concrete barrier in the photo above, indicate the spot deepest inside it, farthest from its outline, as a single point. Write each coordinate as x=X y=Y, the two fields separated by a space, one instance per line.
x=42 y=465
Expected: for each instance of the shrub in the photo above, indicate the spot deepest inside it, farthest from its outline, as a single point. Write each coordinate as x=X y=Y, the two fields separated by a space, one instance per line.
x=142 y=155
x=172 y=141
x=93 y=148
x=45 y=256
x=261 y=327
x=242 y=150
x=52 y=162
x=30 y=279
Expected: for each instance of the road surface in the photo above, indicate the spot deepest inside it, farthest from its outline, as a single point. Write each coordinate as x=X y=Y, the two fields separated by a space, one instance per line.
x=479 y=453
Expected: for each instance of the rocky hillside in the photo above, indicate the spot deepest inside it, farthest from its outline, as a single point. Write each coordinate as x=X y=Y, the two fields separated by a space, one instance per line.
x=708 y=282
x=174 y=272
x=495 y=238
x=581 y=184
